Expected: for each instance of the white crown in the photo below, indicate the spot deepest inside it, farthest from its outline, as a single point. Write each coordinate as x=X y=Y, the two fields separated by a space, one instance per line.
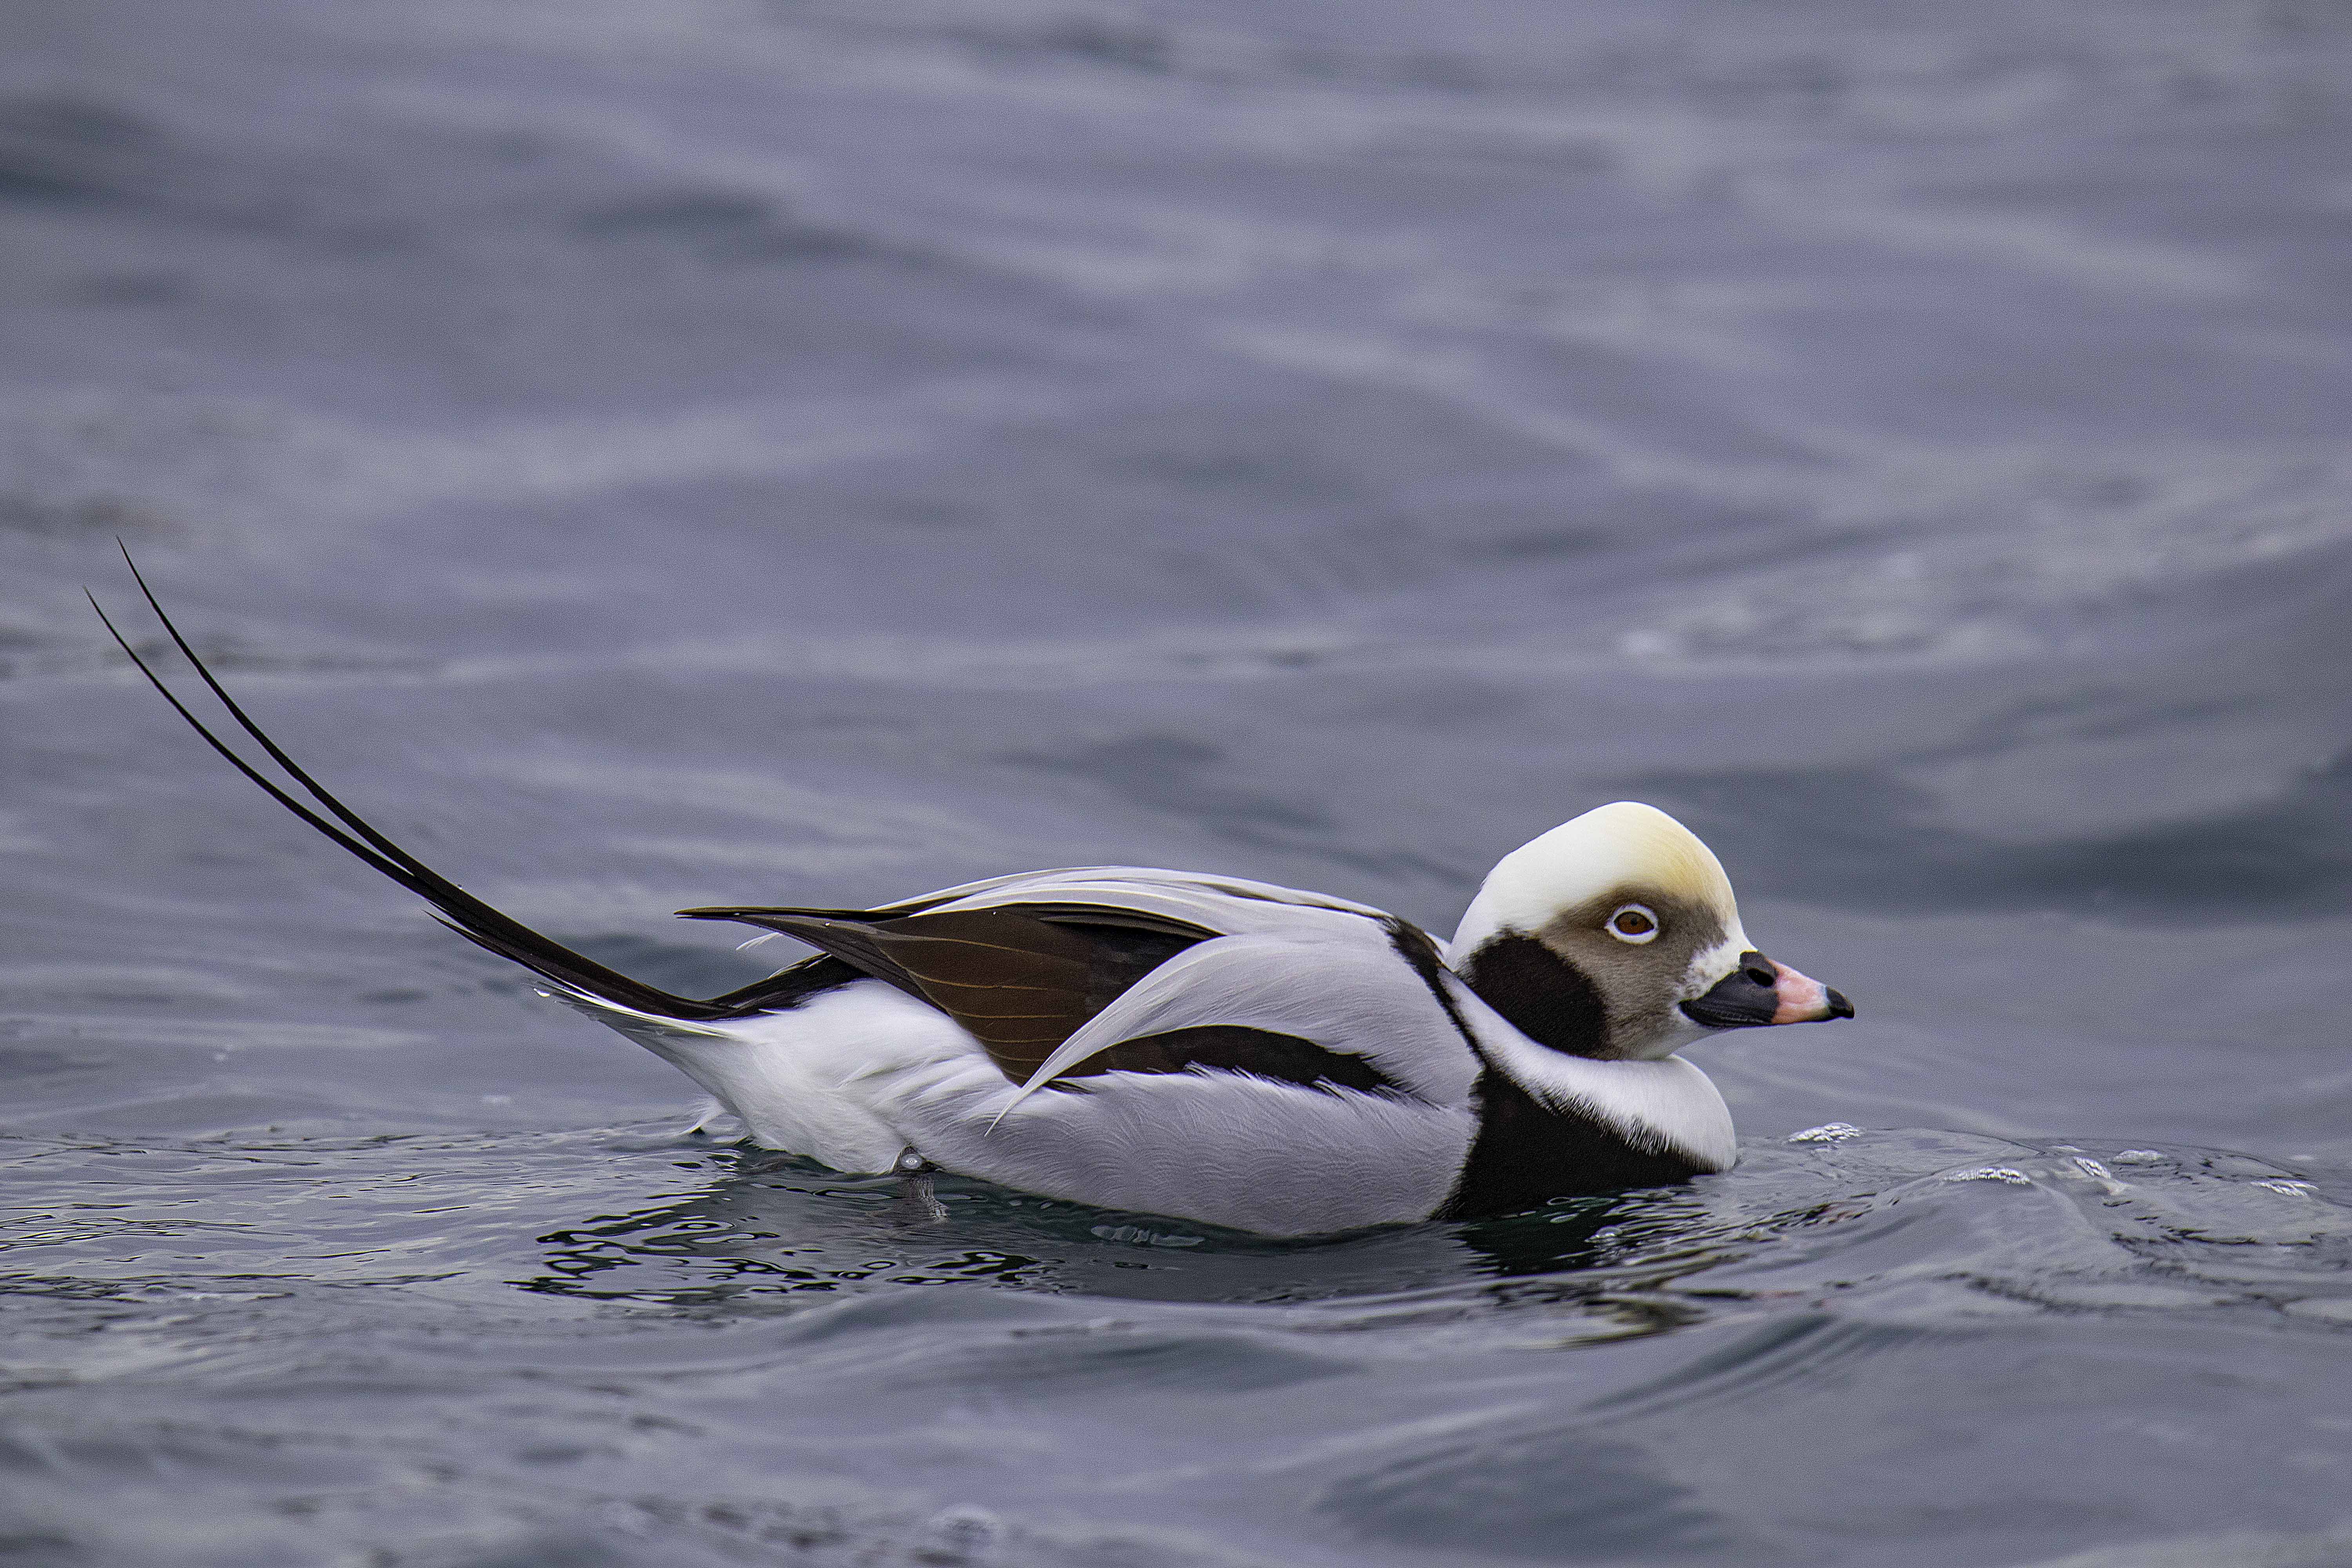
x=1621 y=845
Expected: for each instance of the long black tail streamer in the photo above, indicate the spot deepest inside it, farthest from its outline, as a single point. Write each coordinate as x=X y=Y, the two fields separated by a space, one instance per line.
x=462 y=912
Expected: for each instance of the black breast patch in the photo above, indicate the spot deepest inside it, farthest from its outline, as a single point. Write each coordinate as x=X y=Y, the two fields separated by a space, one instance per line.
x=1546 y=998
x=1527 y=1152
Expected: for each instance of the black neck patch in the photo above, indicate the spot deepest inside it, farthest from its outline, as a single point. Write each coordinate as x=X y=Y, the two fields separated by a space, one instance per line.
x=1546 y=998
x=1527 y=1152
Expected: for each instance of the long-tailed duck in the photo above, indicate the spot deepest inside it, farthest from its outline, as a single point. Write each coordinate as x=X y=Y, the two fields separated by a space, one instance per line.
x=1206 y=1048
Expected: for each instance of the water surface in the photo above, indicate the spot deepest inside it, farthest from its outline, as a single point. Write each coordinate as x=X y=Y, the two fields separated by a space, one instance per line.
x=739 y=452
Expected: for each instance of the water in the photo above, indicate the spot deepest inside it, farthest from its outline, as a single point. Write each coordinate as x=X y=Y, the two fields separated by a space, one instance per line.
x=737 y=452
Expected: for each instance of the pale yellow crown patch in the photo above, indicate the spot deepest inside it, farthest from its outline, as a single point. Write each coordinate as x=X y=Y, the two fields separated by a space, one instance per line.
x=1624 y=845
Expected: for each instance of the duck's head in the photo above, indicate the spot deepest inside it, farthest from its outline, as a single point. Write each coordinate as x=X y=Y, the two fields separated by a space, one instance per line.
x=1616 y=936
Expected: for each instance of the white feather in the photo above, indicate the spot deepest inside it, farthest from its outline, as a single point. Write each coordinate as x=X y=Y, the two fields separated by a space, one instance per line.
x=1364 y=1001
x=1657 y=1105
x=1221 y=1148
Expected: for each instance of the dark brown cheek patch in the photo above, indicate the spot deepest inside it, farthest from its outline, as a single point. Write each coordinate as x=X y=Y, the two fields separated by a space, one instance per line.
x=1544 y=997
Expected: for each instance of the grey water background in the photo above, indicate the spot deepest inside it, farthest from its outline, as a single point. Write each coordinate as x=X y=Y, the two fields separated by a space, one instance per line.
x=739 y=451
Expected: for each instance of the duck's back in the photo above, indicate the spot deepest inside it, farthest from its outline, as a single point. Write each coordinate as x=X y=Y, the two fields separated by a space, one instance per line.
x=1211 y=1048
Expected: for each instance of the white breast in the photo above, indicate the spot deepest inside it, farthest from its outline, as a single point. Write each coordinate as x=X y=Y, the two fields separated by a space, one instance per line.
x=1660 y=1104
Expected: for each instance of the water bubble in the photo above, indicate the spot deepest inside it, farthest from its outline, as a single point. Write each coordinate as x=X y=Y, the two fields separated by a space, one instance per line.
x=2092 y=1169
x=2141 y=1157
x=1991 y=1173
x=960 y=1535
x=1136 y=1235
x=1827 y=1132
x=2288 y=1187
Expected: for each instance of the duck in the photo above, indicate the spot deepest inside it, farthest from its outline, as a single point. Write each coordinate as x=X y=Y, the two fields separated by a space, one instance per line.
x=1205 y=1048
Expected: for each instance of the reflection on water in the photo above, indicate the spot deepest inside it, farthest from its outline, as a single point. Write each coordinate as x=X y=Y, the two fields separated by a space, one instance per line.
x=773 y=1225
x=1951 y=1226
x=770 y=1225
x=714 y=1294
x=762 y=1230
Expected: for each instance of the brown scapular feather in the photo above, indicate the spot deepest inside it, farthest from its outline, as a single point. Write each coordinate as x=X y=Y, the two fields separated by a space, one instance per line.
x=1019 y=984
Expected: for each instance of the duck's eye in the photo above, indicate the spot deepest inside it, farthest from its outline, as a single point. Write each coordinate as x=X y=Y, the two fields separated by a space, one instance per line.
x=1634 y=923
